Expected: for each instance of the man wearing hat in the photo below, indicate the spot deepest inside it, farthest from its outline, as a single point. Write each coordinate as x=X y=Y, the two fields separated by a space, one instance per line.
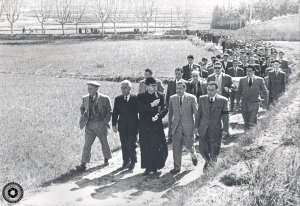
x=96 y=113
x=152 y=109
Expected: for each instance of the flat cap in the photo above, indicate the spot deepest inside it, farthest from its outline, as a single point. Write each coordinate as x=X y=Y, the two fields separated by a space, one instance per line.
x=94 y=83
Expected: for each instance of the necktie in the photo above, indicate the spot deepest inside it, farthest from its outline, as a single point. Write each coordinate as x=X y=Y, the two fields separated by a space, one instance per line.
x=126 y=98
x=180 y=101
x=211 y=100
x=190 y=66
x=250 y=82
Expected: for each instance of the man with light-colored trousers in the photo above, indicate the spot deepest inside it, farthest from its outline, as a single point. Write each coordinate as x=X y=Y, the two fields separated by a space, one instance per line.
x=96 y=113
x=182 y=109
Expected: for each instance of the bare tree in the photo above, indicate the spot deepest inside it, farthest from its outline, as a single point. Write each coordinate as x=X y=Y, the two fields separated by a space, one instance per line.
x=117 y=11
x=12 y=9
x=144 y=10
x=77 y=10
x=63 y=12
x=43 y=12
x=184 y=15
x=102 y=10
x=2 y=4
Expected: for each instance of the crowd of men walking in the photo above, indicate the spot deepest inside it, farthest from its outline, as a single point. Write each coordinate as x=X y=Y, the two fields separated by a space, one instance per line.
x=198 y=101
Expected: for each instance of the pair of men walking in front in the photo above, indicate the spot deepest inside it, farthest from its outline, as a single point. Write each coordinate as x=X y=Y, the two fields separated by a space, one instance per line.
x=186 y=118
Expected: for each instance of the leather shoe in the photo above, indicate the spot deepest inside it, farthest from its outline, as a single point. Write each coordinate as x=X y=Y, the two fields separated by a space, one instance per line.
x=195 y=161
x=124 y=165
x=147 y=172
x=81 y=168
x=131 y=166
x=174 y=171
x=106 y=162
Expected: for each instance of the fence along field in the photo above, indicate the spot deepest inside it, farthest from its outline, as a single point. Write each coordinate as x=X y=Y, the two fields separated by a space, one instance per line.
x=40 y=112
x=162 y=20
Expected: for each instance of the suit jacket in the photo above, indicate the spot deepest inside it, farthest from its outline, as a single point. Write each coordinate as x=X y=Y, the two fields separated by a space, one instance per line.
x=203 y=73
x=142 y=86
x=171 y=90
x=200 y=90
x=250 y=95
x=276 y=83
x=187 y=72
x=264 y=68
x=244 y=67
x=229 y=64
x=216 y=119
x=185 y=113
x=239 y=72
x=125 y=114
x=226 y=82
x=104 y=107
x=284 y=64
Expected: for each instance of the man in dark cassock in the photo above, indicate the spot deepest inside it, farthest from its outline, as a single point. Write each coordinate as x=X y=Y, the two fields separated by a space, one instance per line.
x=152 y=109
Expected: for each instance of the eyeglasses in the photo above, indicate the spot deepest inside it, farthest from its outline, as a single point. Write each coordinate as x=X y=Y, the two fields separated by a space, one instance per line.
x=217 y=67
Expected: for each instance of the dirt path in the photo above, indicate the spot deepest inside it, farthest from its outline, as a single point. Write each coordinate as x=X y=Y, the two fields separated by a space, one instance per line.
x=109 y=186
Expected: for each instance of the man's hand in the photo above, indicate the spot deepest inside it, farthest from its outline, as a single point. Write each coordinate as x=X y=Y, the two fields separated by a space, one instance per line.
x=115 y=129
x=154 y=118
x=155 y=103
x=226 y=89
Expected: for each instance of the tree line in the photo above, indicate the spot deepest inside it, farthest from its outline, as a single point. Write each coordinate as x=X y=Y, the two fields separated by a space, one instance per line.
x=71 y=12
x=262 y=10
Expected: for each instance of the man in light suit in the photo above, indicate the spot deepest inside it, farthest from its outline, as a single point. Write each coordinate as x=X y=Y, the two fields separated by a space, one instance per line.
x=96 y=113
x=171 y=90
x=211 y=122
x=125 y=121
x=187 y=69
x=234 y=71
x=249 y=90
x=182 y=109
x=276 y=82
x=142 y=85
x=224 y=81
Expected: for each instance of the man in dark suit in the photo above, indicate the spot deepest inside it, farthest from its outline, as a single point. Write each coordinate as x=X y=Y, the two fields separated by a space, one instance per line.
x=226 y=63
x=95 y=115
x=187 y=69
x=171 y=90
x=224 y=81
x=125 y=120
x=249 y=90
x=234 y=71
x=265 y=66
x=211 y=122
x=256 y=66
x=197 y=85
x=276 y=82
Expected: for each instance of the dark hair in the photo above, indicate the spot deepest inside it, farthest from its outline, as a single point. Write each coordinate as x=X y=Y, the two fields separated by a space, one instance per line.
x=213 y=83
x=235 y=60
x=179 y=69
x=252 y=67
x=190 y=56
x=149 y=70
x=281 y=52
x=150 y=80
x=204 y=59
x=277 y=61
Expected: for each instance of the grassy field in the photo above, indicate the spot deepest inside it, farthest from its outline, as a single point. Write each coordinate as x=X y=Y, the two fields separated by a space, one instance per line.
x=99 y=58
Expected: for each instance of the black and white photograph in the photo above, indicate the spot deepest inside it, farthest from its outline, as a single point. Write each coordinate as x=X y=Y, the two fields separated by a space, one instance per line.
x=149 y=103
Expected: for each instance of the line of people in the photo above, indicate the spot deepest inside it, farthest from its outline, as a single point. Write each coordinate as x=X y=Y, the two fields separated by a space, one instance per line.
x=197 y=104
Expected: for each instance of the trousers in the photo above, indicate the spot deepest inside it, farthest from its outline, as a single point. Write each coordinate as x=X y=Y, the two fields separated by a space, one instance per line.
x=95 y=129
